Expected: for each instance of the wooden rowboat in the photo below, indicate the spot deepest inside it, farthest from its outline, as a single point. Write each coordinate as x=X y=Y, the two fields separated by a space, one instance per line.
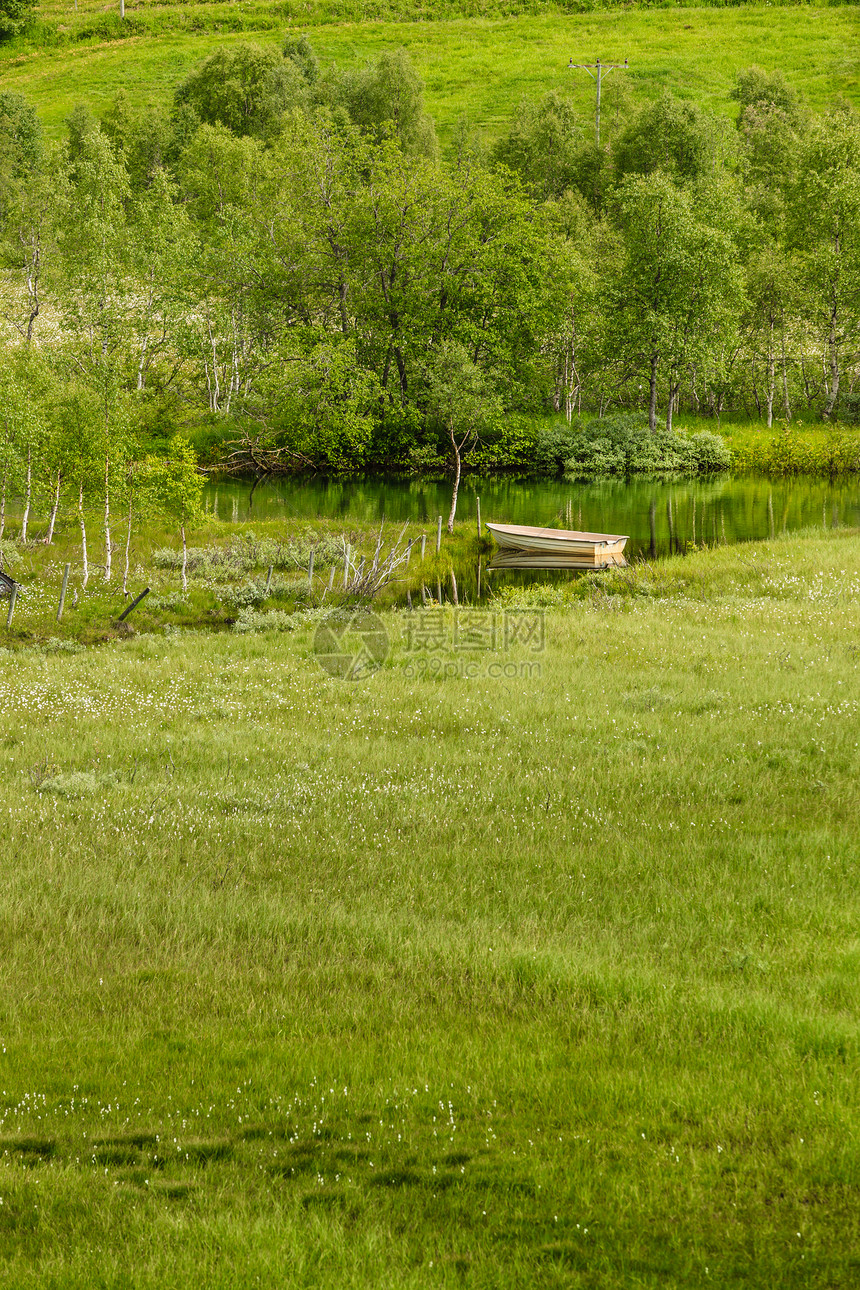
x=569 y=548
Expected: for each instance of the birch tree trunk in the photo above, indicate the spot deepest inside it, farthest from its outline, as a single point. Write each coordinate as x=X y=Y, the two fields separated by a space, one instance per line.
x=54 y=508
x=184 y=560
x=457 y=464
x=127 y=551
x=81 y=517
x=771 y=376
x=28 y=493
x=833 y=367
x=652 y=401
x=785 y=399
x=107 y=519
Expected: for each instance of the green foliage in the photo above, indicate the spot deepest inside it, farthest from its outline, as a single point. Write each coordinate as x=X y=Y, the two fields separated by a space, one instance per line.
x=245 y=553
x=670 y=135
x=325 y=402
x=624 y=445
x=246 y=89
x=21 y=143
x=15 y=16
x=299 y=50
x=388 y=95
x=275 y=253
x=174 y=483
x=549 y=146
x=790 y=452
x=758 y=89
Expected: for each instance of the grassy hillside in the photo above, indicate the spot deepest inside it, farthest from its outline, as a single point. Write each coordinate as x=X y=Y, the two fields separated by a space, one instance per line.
x=542 y=978
x=479 y=68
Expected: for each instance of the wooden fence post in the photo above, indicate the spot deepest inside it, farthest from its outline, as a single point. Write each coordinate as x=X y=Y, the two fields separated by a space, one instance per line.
x=478 y=500
x=125 y=613
x=13 y=596
x=438 y=534
x=63 y=592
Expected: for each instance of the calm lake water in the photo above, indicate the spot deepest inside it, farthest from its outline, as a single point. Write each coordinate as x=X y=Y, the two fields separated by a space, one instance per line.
x=658 y=517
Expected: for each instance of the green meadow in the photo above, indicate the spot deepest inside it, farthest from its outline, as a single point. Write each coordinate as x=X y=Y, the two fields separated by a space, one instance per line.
x=479 y=68
x=525 y=961
x=529 y=957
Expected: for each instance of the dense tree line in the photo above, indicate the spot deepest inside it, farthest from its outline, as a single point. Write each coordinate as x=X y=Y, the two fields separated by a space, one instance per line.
x=282 y=256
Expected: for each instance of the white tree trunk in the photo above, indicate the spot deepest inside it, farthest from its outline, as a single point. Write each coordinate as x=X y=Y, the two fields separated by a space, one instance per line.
x=84 y=562
x=456 y=448
x=832 y=384
x=127 y=551
x=771 y=376
x=54 y=508
x=28 y=493
x=107 y=520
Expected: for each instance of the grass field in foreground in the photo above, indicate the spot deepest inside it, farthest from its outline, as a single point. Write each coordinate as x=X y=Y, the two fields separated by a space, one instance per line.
x=483 y=68
x=447 y=977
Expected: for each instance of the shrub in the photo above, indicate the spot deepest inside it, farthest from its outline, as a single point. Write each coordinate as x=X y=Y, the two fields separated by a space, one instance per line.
x=623 y=445
x=246 y=552
x=789 y=452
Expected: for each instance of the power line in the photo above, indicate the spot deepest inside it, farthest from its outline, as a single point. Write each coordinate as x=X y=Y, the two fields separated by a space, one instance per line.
x=597 y=71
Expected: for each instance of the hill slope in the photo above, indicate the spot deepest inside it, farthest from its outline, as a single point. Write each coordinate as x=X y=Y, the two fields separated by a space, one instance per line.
x=475 y=67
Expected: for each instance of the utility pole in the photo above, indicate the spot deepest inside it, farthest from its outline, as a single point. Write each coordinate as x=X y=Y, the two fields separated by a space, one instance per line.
x=597 y=71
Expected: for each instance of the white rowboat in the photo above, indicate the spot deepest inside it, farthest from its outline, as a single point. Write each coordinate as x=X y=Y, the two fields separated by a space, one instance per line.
x=589 y=550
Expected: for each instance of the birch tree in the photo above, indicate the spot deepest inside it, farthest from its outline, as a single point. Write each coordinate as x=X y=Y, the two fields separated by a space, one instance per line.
x=176 y=489
x=824 y=226
x=462 y=397
x=99 y=299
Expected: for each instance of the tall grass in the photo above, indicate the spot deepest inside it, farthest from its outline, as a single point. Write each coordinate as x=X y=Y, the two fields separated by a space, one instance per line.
x=480 y=68
x=442 y=979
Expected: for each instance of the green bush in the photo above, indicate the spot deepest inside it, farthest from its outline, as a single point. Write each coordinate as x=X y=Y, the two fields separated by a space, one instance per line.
x=246 y=552
x=791 y=452
x=623 y=445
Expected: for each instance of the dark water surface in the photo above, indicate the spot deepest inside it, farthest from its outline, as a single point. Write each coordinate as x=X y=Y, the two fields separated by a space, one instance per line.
x=657 y=516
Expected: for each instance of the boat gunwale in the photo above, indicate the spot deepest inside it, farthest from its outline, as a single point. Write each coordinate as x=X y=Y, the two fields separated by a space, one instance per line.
x=554 y=538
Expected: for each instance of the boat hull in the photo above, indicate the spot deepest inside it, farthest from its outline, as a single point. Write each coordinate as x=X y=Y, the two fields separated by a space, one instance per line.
x=592 y=548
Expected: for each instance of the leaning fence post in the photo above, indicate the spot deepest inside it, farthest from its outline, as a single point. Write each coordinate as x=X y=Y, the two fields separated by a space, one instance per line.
x=269 y=578
x=454 y=588
x=13 y=596
x=438 y=534
x=423 y=545
x=311 y=569
x=63 y=592
x=478 y=501
x=125 y=613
